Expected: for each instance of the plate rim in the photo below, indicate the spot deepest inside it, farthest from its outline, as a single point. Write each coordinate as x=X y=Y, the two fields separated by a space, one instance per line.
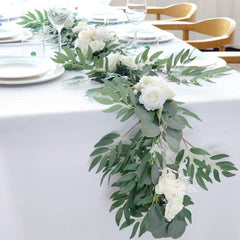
x=57 y=72
x=18 y=59
x=24 y=34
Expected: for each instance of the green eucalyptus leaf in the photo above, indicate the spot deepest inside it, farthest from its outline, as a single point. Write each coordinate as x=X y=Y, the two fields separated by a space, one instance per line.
x=176 y=228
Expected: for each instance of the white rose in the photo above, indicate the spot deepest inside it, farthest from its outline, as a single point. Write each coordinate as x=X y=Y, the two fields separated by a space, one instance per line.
x=128 y=61
x=173 y=208
x=113 y=59
x=103 y=34
x=86 y=35
x=81 y=27
x=97 y=45
x=69 y=22
x=153 y=97
x=170 y=186
x=82 y=44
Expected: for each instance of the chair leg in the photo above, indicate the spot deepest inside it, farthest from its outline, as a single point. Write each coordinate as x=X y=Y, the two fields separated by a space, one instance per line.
x=185 y=35
x=222 y=48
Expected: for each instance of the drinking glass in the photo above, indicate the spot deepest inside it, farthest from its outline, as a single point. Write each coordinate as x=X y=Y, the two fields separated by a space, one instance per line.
x=105 y=3
x=136 y=11
x=58 y=14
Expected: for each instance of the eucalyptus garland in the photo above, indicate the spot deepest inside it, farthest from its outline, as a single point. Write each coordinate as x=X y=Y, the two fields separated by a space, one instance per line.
x=153 y=166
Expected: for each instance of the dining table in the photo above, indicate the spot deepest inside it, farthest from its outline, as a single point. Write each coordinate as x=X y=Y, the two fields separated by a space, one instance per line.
x=48 y=130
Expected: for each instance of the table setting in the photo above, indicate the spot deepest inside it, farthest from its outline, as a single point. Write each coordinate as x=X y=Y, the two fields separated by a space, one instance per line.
x=78 y=97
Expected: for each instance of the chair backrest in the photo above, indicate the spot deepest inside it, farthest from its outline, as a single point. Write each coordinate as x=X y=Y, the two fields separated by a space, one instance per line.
x=179 y=12
x=221 y=31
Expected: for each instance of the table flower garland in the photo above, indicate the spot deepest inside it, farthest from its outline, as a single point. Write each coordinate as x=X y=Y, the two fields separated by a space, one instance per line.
x=153 y=165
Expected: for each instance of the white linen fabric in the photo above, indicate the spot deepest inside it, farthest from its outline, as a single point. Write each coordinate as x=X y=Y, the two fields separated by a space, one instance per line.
x=47 y=132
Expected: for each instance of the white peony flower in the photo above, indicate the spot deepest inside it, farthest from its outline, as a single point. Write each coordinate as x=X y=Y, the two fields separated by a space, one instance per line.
x=69 y=22
x=82 y=26
x=103 y=34
x=82 y=44
x=128 y=61
x=113 y=60
x=173 y=208
x=86 y=35
x=170 y=186
x=97 y=45
x=152 y=98
x=154 y=92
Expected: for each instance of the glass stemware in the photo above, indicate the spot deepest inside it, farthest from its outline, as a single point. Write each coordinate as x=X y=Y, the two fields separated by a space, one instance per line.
x=105 y=4
x=58 y=13
x=136 y=11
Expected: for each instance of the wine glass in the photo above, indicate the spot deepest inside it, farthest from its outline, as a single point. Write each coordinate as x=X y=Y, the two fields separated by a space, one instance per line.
x=58 y=13
x=136 y=11
x=105 y=3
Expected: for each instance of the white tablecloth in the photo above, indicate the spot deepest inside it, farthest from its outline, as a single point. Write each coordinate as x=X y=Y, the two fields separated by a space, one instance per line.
x=47 y=132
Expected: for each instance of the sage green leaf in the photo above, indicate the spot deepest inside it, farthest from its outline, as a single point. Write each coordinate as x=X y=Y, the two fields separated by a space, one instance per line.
x=135 y=228
x=187 y=201
x=80 y=55
x=219 y=156
x=121 y=112
x=187 y=214
x=127 y=115
x=155 y=174
x=169 y=63
x=89 y=53
x=119 y=215
x=99 y=151
x=155 y=55
x=200 y=163
x=131 y=167
x=199 y=151
x=112 y=158
x=170 y=108
x=228 y=174
x=70 y=54
x=126 y=213
x=104 y=142
x=176 y=59
x=176 y=228
x=150 y=129
x=216 y=175
x=104 y=175
x=179 y=156
x=102 y=164
x=176 y=122
x=95 y=161
x=31 y=15
x=191 y=172
x=161 y=231
x=144 y=56
x=142 y=226
x=127 y=177
x=184 y=56
x=128 y=187
x=117 y=204
x=145 y=200
x=126 y=224
x=105 y=101
x=40 y=15
x=200 y=181
x=173 y=143
x=159 y=158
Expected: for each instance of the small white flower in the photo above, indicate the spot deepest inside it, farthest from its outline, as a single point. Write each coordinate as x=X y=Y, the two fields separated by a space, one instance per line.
x=81 y=26
x=103 y=34
x=113 y=60
x=82 y=44
x=173 y=208
x=86 y=35
x=128 y=61
x=97 y=45
x=69 y=22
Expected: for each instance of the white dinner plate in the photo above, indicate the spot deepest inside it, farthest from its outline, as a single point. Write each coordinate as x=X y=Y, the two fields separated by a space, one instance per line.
x=55 y=71
x=148 y=35
x=22 y=67
x=8 y=33
x=24 y=34
x=206 y=61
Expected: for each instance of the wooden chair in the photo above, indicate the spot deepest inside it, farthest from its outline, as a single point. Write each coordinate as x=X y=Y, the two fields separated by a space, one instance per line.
x=229 y=57
x=179 y=12
x=219 y=30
